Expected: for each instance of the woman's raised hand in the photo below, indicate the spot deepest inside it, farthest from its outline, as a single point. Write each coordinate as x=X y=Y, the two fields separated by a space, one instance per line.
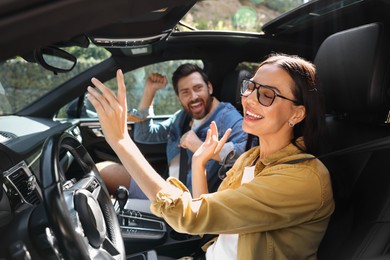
x=210 y=147
x=112 y=112
x=111 y=109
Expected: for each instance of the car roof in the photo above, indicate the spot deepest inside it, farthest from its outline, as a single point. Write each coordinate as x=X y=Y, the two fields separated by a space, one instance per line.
x=314 y=21
x=29 y=24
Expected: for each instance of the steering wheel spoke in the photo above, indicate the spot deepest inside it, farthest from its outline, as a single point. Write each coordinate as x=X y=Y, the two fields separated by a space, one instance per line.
x=80 y=213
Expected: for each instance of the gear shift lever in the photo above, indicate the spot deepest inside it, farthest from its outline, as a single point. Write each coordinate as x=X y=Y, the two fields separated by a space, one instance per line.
x=121 y=195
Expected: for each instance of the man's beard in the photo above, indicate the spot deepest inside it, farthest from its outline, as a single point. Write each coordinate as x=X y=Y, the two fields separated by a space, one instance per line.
x=208 y=105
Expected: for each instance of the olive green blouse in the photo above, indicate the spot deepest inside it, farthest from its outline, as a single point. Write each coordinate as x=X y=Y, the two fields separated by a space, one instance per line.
x=281 y=214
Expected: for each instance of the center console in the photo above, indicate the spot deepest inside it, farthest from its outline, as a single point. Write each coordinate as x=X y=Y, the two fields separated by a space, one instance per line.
x=146 y=235
x=138 y=226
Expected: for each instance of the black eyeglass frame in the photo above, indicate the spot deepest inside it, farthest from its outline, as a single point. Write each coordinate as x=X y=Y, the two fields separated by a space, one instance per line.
x=257 y=87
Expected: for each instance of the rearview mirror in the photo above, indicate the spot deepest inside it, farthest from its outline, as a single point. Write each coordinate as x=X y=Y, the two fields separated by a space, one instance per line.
x=55 y=59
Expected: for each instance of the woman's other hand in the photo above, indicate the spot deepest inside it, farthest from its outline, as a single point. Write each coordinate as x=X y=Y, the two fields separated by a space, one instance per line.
x=211 y=146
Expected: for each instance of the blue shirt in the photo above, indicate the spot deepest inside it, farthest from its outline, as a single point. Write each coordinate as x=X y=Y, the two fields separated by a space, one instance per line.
x=169 y=131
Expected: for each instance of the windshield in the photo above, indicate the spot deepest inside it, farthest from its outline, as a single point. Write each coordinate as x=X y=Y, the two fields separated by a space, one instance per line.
x=23 y=82
x=237 y=15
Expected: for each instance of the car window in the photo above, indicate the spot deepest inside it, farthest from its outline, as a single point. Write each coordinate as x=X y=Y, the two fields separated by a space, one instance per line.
x=236 y=15
x=249 y=66
x=22 y=82
x=165 y=101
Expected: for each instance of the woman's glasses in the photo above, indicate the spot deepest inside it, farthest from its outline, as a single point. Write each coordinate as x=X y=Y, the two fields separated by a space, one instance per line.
x=265 y=94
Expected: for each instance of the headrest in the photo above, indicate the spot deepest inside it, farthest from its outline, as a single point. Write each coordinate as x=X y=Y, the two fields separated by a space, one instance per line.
x=352 y=67
x=230 y=91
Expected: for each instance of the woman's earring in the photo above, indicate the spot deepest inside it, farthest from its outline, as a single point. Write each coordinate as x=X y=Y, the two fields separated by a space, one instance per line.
x=290 y=124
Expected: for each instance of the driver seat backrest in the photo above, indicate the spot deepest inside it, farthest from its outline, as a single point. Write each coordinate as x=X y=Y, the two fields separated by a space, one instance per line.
x=352 y=67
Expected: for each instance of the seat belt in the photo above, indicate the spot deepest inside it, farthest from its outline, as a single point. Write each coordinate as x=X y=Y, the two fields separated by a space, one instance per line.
x=184 y=160
x=374 y=145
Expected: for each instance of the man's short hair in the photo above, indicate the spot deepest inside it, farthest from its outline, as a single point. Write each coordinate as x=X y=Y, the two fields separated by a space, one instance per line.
x=183 y=71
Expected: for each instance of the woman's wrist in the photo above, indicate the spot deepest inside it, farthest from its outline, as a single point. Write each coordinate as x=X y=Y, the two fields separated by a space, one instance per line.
x=198 y=162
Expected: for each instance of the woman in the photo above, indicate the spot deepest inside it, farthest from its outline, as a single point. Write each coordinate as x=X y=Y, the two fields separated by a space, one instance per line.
x=271 y=205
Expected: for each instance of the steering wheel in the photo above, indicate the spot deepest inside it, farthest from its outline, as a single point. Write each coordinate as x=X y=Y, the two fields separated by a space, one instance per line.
x=81 y=215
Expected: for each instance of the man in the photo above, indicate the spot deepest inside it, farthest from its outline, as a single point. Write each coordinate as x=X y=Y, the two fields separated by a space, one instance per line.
x=184 y=132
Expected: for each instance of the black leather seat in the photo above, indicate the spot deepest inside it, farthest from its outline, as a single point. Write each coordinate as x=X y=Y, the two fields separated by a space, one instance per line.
x=353 y=68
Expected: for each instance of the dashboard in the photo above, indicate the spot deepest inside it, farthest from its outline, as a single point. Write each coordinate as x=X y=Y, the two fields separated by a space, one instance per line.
x=21 y=142
x=23 y=220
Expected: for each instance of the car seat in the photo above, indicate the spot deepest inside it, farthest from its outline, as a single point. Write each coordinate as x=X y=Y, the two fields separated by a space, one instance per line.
x=352 y=67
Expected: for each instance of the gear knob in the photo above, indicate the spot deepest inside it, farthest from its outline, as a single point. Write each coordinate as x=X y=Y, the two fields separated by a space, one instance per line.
x=121 y=195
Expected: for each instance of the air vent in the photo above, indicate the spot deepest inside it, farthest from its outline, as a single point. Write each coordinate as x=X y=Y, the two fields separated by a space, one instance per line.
x=5 y=136
x=20 y=182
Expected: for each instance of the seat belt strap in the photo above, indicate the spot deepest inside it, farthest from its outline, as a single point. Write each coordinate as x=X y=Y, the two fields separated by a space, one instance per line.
x=184 y=160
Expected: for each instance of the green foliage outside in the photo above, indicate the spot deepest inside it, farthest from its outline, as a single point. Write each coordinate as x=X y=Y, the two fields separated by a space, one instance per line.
x=250 y=15
x=282 y=6
x=24 y=82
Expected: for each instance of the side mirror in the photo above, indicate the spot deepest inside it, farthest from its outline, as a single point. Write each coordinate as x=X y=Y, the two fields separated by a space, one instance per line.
x=81 y=108
x=55 y=59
